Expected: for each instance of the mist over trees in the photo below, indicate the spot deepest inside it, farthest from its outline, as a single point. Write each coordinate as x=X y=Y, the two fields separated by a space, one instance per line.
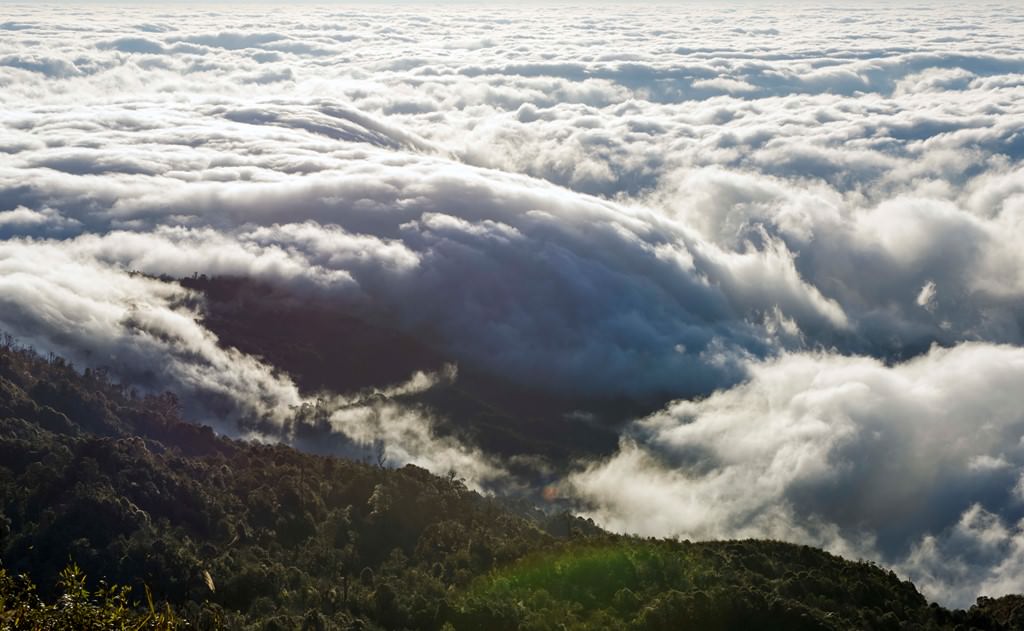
x=392 y=315
x=101 y=485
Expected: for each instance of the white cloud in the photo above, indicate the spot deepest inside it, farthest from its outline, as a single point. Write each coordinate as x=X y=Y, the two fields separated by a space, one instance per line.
x=661 y=202
x=98 y=316
x=842 y=452
x=926 y=297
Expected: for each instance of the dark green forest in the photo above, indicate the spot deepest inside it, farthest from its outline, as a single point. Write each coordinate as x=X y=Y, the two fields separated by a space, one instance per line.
x=116 y=513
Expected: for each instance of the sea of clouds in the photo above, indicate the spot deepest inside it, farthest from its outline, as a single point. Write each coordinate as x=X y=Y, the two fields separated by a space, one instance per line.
x=798 y=228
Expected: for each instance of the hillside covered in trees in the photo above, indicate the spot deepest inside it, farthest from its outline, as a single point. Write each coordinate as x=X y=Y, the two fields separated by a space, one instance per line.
x=229 y=534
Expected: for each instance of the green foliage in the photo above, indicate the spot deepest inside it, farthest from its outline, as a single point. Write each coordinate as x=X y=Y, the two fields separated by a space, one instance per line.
x=76 y=608
x=248 y=536
x=627 y=583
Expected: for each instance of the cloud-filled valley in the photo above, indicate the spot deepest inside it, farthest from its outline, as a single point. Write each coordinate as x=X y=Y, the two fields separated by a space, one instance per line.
x=792 y=236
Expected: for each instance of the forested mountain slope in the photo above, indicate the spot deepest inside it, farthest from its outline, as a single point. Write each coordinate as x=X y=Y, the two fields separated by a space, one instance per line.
x=244 y=535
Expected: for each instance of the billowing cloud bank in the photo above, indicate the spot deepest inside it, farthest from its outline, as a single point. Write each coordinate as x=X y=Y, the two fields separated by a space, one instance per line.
x=809 y=218
x=921 y=462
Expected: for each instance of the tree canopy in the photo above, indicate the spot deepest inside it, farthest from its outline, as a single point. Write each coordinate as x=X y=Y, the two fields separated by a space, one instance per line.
x=116 y=513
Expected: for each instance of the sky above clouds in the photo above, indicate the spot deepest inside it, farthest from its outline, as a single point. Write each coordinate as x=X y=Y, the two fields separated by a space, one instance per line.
x=798 y=228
